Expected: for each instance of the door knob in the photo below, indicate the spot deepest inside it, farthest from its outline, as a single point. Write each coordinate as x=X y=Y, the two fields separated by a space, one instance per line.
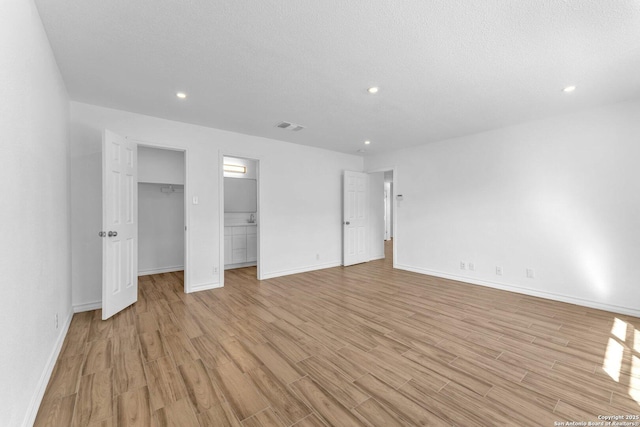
x=347 y=223
x=102 y=234
x=113 y=234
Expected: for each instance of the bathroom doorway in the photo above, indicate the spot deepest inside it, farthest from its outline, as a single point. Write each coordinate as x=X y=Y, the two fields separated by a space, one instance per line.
x=241 y=216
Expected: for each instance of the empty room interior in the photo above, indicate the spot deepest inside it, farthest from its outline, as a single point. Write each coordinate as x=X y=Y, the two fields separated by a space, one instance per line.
x=306 y=213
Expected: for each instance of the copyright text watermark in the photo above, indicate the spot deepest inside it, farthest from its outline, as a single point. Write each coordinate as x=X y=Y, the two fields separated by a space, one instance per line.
x=604 y=420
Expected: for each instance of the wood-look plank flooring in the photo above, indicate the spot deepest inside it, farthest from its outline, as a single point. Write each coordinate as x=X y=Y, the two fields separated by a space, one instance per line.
x=362 y=345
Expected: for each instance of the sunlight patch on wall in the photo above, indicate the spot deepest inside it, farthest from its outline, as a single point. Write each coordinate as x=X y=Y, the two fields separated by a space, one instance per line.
x=594 y=269
x=577 y=234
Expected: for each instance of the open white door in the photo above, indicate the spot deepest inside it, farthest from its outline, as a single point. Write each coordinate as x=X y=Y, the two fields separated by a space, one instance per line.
x=119 y=223
x=355 y=219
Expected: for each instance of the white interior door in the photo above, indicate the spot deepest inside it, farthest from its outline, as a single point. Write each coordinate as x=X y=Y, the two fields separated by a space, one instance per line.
x=119 y=223
x=355 y=218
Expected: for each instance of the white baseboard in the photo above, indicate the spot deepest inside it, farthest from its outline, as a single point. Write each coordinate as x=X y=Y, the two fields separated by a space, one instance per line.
x=36 y=400
x=526 y=291
x=240 y=265
x=204 y=287
x=87 y=306
x=300 y=270
x=160 y=270
x=377 y=257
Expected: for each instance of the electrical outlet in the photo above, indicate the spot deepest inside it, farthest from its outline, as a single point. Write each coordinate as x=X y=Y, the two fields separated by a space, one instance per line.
x=463 y=266
x=56 y=320
x=498 y=270
x=317 y=257
x=472 y=266
x=215 y=270
x=531 y=274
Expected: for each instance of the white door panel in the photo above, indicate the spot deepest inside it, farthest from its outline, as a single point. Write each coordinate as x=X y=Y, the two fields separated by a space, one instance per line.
x=120 y=224
x=355 y=219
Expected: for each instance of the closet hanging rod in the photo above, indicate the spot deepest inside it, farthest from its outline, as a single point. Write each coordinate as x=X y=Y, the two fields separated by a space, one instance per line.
x=172 y=189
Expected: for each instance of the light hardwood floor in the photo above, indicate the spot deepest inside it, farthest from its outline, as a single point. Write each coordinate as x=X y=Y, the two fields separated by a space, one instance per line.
x=363 y=345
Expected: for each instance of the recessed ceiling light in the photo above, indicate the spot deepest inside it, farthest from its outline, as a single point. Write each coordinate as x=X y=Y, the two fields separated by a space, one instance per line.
x=569 y=89
x=367 y=142
x=373 y=89
x=181 y=95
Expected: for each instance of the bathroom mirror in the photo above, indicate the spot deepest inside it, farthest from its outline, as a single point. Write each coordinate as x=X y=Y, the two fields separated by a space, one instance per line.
x=240 y=195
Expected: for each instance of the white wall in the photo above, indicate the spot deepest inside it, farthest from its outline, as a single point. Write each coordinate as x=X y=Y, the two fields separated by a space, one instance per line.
x=300 y=191
x=160 y=166
x=558 y=195
x=376 y=215
x=160 y=229
x=34 y=248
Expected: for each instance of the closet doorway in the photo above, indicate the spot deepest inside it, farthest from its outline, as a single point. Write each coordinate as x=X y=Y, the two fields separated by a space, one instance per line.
x=241 y=216
x=383 y=223
x=161 y=211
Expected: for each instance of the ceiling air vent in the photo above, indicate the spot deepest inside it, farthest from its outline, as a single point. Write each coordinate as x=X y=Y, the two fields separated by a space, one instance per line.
x=289 y=126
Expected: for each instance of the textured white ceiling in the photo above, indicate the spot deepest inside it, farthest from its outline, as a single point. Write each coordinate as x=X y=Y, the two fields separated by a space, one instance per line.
x=445 y=68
